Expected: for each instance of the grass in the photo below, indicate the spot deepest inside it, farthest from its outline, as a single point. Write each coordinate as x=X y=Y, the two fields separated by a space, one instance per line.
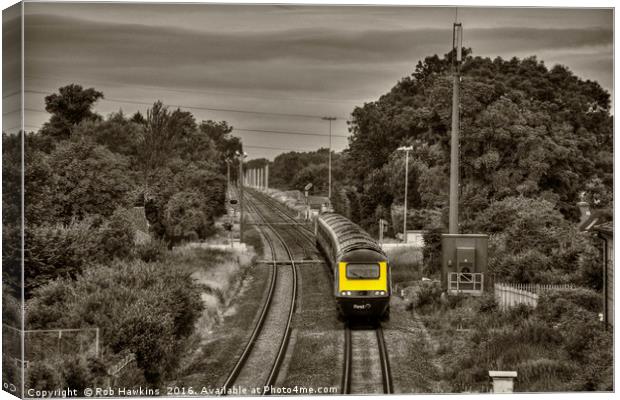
x=234 y=289
x=414 y=369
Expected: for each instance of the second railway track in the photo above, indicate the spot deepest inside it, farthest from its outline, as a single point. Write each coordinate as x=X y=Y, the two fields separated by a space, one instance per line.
x=262 y=349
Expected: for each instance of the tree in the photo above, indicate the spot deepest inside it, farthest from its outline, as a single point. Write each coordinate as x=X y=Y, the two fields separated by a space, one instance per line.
x=186 y=217
x=90 y=180
x=161 y=137
x=526 y=130
x=116 y=132
x=70 y=106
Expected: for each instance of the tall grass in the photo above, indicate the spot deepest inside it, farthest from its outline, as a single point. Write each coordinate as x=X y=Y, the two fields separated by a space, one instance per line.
x=220 y=274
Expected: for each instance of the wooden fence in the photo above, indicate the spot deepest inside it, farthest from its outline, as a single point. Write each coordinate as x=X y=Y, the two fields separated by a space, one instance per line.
x=512 y=294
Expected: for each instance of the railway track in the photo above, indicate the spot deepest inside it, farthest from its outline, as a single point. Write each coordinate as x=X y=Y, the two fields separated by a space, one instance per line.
x=288 y=225
x=274 y=321
x=366 y=366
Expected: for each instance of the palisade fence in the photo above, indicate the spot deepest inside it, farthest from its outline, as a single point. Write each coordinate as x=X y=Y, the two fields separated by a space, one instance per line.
x=512 y=294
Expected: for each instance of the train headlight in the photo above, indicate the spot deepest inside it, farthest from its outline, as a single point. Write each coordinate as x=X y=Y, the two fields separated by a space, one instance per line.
x=343 y=293
x=348 y=293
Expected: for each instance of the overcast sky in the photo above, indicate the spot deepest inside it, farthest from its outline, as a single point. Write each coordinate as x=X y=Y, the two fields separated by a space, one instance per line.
x=302 y=60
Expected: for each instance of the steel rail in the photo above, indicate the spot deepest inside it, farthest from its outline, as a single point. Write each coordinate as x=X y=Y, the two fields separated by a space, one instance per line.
x=345 y=387
x=385 y=362
x=283 y=212
x=273 y=373
x=234 y=373
x=386 y=372
x=286 y=212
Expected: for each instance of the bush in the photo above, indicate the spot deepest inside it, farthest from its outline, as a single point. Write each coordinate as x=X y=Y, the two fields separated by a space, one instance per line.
x=58 y=251
x=556 y=305
x=152 y=251
x=116 y=235
x=428 y=293
x=44 y=375
x=455 y=300
x=148 y=309
x=488 y=303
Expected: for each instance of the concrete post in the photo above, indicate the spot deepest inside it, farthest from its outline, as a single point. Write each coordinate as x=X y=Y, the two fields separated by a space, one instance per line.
x=503 y=381
x=267 y=176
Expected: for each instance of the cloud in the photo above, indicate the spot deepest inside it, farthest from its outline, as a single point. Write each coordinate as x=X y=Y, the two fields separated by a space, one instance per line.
x=135 y=44
x=345 y=57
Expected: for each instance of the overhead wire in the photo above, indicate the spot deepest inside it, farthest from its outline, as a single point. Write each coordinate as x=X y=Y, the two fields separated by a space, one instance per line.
x=230 y=110
x=198 y=91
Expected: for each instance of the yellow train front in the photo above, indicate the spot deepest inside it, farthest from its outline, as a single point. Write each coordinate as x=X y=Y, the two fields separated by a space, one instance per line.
x=362 y=282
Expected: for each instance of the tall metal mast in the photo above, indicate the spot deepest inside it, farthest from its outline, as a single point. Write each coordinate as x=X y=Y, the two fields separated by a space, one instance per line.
x=457 y=41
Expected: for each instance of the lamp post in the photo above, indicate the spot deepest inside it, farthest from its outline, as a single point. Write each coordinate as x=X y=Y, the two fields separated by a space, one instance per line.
x=329 y=163
x=406 y=149
x=241 y=156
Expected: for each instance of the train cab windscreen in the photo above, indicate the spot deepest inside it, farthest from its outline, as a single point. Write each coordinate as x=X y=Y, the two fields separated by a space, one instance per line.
x=362 y=271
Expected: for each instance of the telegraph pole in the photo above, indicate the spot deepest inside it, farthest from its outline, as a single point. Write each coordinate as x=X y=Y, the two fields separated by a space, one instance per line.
x=457 y=41
x=329 y=164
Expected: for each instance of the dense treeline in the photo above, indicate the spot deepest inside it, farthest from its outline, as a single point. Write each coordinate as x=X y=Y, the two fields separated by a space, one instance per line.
x=526 y=130
x=534 y=141
x=83 y=266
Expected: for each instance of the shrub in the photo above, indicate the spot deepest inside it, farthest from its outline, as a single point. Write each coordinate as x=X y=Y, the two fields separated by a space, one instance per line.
x=44 y=375
x=76 y=373
x=555 y=305
x=456 y=300
x=58 y=251
x=116 y=235
x=488 y=303
x=148 y=309
x=428 y=293
x=152 y=251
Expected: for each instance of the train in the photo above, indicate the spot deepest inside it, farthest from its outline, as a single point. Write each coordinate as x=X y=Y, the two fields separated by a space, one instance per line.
x=361 y=273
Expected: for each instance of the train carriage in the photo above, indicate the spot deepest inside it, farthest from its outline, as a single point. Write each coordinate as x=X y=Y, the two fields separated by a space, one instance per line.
x=362 y=282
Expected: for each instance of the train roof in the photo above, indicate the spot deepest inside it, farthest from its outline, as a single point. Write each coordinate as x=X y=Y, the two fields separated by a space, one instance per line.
x=349 y=236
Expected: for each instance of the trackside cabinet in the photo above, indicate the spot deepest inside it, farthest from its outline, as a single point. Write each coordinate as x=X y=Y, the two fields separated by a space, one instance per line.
x=464 y=263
